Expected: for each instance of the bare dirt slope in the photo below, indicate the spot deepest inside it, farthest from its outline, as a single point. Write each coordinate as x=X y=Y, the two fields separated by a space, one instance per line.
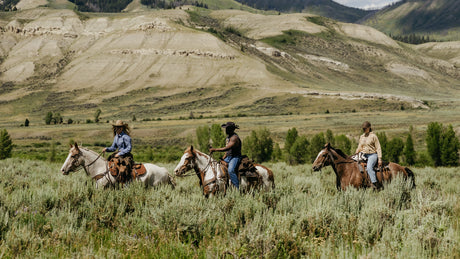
x=161 y=62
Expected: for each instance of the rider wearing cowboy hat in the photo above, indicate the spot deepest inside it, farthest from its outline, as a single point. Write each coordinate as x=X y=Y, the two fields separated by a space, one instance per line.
x=233 y=151
x=122 y=142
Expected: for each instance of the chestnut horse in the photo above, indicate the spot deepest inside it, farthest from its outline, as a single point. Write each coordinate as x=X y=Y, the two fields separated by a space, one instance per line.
x=348 y=173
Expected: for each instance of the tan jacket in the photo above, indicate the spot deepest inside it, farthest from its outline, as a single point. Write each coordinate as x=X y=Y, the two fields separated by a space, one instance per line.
x=369 y=145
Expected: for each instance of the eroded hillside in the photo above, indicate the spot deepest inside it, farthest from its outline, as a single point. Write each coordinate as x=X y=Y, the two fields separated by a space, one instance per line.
x=174 y=62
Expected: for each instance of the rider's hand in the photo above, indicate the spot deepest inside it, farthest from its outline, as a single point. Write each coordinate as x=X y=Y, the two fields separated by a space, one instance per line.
x=103 y=150
x=211 y=150
x=380 y=163
x=117 y=155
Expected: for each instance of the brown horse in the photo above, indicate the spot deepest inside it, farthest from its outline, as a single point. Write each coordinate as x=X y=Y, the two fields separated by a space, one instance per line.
x=348 y=172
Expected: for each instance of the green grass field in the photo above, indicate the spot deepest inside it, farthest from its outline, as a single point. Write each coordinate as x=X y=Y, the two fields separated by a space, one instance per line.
x=46 y=214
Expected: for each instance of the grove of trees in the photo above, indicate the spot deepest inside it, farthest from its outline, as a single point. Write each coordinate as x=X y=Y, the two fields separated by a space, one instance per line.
x=442 y=146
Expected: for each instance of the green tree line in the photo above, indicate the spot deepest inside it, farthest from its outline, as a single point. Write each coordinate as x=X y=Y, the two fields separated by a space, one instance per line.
x=442 y=146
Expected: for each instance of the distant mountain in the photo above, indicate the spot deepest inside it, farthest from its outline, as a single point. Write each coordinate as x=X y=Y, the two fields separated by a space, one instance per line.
x=417 y=16
x=327 y=8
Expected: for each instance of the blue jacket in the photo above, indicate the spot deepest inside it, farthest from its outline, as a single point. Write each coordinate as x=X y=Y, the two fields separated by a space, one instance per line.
x=121 y=141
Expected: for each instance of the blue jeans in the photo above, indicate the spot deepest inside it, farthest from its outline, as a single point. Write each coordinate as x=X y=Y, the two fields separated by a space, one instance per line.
x=233 y=162
x=371 y=161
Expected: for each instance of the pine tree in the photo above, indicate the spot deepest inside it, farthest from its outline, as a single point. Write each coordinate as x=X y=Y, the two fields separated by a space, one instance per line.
x=291 y=137
x=449 y=147
x=383 y=140
x=316 y=144
x=433 y=141
x=409 y=151
x=394 y=149
x=96 y=115
x=299 y=153
x=343 y=143
x=48 y=118
x=330 y=137
x=259 y=145
x=202 y=135
x=6 y=144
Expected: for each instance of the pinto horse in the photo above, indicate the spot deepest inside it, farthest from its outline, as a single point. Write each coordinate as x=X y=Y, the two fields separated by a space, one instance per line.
x=213 y=174
x=97 y=168
x=348 y=173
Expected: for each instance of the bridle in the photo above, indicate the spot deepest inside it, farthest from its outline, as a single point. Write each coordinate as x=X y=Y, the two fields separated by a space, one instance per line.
x=76 y=163
x=198 y=171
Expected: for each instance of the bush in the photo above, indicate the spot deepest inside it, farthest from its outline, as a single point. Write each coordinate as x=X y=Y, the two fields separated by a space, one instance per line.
x=409 y=151
x=343 y=143
x=259 y=145
x=299 y=152
x=6 y=144
x=394 y=149
x=317 y=143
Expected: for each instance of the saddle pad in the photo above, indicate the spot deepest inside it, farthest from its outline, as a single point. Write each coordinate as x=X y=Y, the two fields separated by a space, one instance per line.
x=139 y=169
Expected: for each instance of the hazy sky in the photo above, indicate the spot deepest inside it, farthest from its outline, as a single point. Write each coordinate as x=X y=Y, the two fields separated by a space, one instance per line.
x=366 y=4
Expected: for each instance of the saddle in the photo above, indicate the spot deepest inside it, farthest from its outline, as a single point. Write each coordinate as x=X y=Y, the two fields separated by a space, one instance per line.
x=124 y=169
x=362 y=165
x=248 y=169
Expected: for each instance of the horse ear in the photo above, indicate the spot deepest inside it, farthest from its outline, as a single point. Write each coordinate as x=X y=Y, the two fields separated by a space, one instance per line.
x=328 y=145
x=76 y=145
x=191 y=148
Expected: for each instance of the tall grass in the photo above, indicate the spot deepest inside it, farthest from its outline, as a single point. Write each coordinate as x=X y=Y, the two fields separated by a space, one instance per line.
x=46 y=214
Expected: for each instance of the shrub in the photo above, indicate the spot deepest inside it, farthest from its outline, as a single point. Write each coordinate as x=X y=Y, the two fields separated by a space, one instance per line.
x=343 y=143
x=202 y=135
x=449 y=147
x=317 y=143
x=409 y=151
x=259 y=145
x=394 y=149
x=48 y=118
x=6 y=144
x=291 y=137
x=433 y=140
x=299 y=152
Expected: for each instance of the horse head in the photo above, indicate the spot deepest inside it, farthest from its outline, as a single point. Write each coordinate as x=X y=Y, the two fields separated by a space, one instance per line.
x=73 y=160
x=323 y=158
x=187 y=162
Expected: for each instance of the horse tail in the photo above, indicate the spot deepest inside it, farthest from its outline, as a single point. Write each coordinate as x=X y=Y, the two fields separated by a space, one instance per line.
x=411 y=175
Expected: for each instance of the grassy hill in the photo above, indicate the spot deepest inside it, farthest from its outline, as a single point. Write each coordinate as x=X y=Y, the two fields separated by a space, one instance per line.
x=211 y=65
x=437 y=18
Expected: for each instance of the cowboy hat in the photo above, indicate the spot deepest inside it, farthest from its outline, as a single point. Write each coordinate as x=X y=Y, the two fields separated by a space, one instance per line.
x=119 y=123
x=230 y=125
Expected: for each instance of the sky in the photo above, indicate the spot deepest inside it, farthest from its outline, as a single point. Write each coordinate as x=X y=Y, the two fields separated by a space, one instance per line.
x=366 y=4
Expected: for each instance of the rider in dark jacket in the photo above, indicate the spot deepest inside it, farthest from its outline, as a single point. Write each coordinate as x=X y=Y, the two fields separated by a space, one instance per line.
x=233 y=151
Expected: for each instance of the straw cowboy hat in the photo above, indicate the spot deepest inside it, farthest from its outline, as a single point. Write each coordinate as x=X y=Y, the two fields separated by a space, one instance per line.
x=119 y=123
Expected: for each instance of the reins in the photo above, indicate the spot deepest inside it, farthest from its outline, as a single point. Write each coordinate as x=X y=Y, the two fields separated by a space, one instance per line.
x=101 y=175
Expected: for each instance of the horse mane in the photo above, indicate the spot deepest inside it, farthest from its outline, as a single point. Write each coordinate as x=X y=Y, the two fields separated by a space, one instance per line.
x=341 y=153
x=89 y=150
